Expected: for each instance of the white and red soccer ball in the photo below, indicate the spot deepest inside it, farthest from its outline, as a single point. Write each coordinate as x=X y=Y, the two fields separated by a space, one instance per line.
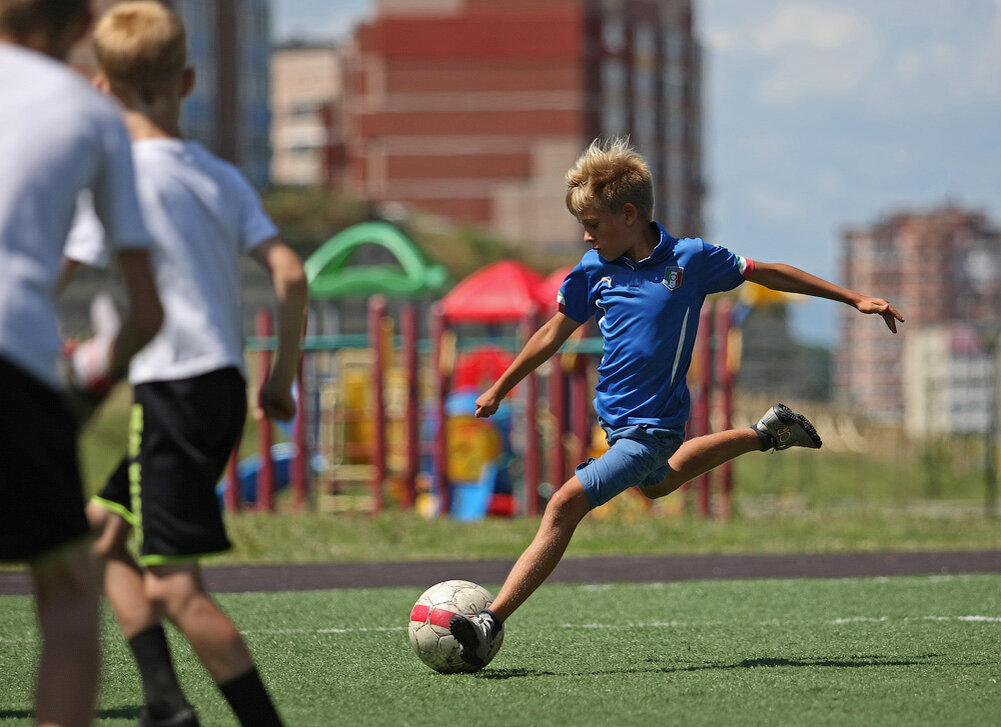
x=429 y=635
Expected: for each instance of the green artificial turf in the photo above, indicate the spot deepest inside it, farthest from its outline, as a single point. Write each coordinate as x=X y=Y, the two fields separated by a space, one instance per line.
x=887 y=651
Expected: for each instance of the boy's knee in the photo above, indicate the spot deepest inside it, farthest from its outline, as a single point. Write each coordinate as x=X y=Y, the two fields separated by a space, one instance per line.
x=663 y=488
x=176 y=593
x=569 y=503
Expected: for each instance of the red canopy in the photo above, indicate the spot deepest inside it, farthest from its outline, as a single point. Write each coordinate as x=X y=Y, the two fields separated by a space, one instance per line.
x=502 y=292
x=549 y=287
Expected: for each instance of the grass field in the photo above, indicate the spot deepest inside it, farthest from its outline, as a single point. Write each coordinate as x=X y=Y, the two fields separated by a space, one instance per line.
x=789 y=502
x=889 y=651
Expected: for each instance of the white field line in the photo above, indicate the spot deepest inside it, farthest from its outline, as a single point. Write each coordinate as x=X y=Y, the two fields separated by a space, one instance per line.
x=593 y=626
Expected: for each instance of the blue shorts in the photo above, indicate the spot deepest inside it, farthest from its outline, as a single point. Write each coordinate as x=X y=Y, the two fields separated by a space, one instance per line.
x=637 y=456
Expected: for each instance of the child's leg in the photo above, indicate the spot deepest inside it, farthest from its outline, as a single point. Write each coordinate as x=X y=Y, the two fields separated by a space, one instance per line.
x=780 y=428
x=138 y=616
x=67 y=601
x=701 y=454
x=214 y=639
x=477 y=634
x=122 y=577
x=566 y=508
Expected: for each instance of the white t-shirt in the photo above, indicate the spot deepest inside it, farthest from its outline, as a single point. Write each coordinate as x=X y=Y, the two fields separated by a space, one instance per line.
x=202 y=214
x=58 y=136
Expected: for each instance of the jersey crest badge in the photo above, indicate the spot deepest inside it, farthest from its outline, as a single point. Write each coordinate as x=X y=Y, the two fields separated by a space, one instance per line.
x=672 y=277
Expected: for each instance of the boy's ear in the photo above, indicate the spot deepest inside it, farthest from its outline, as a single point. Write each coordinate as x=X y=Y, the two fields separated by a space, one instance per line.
x=630 y=213
x=187 y=82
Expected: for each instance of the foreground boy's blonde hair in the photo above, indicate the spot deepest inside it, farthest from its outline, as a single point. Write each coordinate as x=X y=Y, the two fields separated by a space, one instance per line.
x=608 y=175
x=141 y=47
x=20 y=18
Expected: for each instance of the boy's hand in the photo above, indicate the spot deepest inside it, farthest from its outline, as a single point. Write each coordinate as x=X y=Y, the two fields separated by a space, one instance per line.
x=274 y=402
x=883 y=308
x=487 y=404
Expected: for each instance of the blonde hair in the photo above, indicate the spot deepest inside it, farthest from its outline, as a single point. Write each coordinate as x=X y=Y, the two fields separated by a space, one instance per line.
x=141 y=47
x=608 y=175
x=20 y=18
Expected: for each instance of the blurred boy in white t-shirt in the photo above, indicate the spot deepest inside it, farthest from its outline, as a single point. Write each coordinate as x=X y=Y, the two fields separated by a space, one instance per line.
x=57 y=138
x=190 y=388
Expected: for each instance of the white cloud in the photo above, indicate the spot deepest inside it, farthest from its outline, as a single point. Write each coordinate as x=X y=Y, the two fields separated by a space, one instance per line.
x=803 y=49
x=810 y=26
x=775 y=205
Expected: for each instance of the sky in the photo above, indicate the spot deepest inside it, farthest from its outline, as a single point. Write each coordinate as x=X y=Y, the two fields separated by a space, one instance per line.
x=820 y=115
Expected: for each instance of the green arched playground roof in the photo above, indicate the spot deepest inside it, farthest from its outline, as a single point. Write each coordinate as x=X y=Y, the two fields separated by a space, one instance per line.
x=330 y=276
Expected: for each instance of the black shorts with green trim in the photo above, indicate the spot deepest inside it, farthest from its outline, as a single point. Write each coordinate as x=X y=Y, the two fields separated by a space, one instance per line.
x=181 y=435
x=41 y=497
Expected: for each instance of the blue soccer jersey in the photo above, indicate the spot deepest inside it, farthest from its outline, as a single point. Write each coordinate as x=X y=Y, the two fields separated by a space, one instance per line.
x=648 y=314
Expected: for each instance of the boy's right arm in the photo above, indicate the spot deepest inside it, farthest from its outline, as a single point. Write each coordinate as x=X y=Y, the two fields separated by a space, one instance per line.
x=292 y=291
x=544 y=343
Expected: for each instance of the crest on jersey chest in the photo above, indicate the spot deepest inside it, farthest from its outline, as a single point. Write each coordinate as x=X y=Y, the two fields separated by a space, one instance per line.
x=672 y=277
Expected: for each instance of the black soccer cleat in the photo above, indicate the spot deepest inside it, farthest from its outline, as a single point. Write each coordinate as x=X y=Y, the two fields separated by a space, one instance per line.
x=477 y=636
x=784 y=428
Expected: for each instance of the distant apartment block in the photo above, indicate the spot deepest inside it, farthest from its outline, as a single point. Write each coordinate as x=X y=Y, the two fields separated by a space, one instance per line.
x=949 y=381
x=307 y=116
x=229 y=49
x=474 y=109
x=941 y=269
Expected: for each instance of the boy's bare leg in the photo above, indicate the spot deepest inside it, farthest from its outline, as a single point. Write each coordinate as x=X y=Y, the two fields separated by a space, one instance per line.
x=701 y=454
x=566 y=508
x=67 y=596
x=122 y=576
x=213 y=637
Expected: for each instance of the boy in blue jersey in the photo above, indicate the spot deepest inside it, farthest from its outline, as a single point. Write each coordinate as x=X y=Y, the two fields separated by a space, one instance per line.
x=646 y=289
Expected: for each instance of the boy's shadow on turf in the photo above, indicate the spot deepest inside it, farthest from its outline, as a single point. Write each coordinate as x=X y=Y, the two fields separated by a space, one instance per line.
x=853 y=663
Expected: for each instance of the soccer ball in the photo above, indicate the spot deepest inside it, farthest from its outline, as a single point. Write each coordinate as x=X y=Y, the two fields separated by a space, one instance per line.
x=429 y=635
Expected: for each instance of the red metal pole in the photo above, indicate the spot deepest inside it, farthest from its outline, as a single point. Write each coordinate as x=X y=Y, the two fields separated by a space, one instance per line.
x=297 y=474
x=558 y=417
x=376 y=312
x=700 y=403
x=408 y=334
x=529 y=325
x=724 y=379
x=266 y=473
x=578 y=407
x=440 y=453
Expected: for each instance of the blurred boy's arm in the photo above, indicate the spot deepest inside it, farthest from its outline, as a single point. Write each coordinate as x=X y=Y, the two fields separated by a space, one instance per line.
x=788 y=279
x=67 y=270
x=291 y=292
x=544 y=343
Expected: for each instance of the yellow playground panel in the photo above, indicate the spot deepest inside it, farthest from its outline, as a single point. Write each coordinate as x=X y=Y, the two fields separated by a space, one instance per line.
x=346 y=437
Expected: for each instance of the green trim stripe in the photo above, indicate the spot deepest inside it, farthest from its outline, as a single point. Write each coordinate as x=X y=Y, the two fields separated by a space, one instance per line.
x=115 y=507
x=148 y=560
x=135 y=470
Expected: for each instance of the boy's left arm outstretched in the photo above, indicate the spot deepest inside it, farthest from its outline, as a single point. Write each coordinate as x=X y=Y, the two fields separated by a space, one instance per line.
x=789 y=279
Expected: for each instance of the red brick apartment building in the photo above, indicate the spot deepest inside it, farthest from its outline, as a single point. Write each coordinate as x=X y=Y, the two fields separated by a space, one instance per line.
x=474 y=109
x=940 y=268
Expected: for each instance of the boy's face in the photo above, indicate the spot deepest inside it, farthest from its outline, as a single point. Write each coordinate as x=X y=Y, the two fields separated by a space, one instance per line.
x=612 y=234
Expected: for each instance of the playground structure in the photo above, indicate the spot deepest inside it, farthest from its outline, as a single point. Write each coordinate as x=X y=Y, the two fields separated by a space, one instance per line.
x=385 y=418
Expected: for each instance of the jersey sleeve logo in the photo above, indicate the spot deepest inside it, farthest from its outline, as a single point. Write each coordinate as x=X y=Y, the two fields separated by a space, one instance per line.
x=672 y=277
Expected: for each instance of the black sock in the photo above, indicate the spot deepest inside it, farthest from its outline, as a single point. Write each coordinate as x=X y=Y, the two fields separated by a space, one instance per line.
x=164 y=697
x=496 y=623
x=250 y=701
x=767 y=440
